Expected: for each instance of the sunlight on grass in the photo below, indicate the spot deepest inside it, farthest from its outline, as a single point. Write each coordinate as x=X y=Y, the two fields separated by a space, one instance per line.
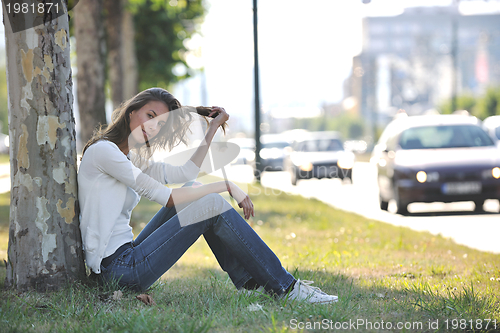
x=4 y=158
x=379 y=271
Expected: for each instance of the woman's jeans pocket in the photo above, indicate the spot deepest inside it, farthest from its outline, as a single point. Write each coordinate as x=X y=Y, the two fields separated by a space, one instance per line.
x=121 y=271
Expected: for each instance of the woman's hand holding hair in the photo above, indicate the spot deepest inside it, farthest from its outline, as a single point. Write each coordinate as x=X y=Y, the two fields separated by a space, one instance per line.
x=221 y=117
x=219 y=120
x=242 y=199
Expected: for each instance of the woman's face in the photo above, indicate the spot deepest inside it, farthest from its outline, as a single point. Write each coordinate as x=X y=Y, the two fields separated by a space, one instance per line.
x=146 y=122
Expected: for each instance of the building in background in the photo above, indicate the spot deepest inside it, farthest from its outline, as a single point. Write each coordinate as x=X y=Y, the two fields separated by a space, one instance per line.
x=407 y=61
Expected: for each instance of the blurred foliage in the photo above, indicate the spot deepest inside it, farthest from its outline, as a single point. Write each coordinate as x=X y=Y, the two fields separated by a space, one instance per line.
x=464 y=102
x=482 y=107
x=489 y=104
x=350 y=126
x=4 y=106
x=161 y=28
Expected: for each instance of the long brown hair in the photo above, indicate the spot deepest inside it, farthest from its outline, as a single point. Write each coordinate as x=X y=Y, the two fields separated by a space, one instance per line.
x=169 y=136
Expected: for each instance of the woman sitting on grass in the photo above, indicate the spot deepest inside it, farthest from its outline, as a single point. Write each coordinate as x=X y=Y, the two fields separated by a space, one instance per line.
x=115 y=170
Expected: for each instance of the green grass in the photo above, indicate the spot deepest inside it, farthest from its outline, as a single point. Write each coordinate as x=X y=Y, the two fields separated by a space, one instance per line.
x=4 y=158
x=380 y=273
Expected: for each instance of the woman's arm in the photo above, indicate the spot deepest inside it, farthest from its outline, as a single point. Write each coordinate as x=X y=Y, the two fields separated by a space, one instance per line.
x=201 y=152
x=189 y=194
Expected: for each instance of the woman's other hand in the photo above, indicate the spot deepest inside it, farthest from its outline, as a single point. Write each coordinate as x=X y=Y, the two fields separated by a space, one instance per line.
x=242 y=199
x=221 y=118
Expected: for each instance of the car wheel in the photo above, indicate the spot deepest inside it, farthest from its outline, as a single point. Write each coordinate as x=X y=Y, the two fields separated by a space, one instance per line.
x=295 y=177
x=384 y=205
x=346 y=173
x=479 y=206
x=401 y=207
x=349 y=175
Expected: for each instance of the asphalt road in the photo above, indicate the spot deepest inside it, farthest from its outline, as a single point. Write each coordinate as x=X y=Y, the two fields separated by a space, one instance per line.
x=454 y=220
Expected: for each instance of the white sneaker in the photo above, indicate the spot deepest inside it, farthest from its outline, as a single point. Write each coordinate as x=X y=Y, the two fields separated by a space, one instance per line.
x=303 y=291
x=255 y=292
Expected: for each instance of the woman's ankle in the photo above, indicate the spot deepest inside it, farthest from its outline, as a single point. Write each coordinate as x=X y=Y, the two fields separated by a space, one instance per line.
x=251 y=284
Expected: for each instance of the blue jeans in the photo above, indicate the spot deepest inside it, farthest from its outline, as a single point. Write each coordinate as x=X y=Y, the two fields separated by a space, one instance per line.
x=238 y=249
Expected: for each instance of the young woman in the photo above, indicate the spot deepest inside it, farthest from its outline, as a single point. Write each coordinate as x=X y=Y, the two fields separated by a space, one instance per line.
x=115 y=171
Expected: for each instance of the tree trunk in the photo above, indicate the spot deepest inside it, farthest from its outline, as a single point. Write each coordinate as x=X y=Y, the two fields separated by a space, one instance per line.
x=114 y=12
x=45 y=248
x=90 y=49
x=129 y=59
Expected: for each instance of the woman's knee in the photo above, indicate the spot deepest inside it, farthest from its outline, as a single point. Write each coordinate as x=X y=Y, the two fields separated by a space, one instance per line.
x=203 y=209
x=214 y=200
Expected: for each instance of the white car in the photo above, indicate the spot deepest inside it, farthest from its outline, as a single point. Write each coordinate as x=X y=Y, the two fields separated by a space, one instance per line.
x=492 y=126
x=319 y=155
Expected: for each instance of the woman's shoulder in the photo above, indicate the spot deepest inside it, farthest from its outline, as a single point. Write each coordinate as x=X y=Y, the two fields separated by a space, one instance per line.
x=103 y=150
x=103 y=146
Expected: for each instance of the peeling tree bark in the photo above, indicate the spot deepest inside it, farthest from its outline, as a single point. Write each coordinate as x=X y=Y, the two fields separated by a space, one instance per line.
x=90 y=49
x=45 y=248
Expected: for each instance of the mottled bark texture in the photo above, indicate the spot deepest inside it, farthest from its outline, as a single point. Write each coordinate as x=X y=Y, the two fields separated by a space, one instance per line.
x=90 y=50
x=114 y=11
x=45 y=250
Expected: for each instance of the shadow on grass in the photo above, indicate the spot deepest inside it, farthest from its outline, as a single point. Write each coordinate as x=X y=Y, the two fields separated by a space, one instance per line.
x=205 y=300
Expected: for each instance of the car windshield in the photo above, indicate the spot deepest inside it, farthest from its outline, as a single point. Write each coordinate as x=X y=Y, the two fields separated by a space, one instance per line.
x=321 y=145
x=497 y=132
x=444 y=136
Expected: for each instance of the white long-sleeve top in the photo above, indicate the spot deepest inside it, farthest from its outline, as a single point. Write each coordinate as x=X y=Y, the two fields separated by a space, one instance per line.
x=109 y=186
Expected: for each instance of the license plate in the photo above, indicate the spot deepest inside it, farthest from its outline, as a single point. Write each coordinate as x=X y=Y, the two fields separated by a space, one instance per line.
x=462 y=188
x=326 y=171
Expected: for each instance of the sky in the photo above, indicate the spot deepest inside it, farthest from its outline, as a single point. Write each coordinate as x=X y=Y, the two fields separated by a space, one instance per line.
x=305 y=51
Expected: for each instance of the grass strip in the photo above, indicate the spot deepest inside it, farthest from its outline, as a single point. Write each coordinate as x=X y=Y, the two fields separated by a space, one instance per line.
x=384 y=275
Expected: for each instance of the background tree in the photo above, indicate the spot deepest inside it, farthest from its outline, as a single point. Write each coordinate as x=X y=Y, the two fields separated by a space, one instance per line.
x=463 y=102
x=348 y=125
x=152 y=49
x=114 y=14
x=482 y=106
x=489 y=104
x=129 y=60
x=44 y=239
x=121 y=54
x=89 y=32
x=161 y=29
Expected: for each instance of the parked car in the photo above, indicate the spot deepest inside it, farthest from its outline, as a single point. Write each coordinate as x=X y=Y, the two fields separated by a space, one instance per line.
x=319 y=155
x=272 y=152
x=492 y=126
x=438 y=158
